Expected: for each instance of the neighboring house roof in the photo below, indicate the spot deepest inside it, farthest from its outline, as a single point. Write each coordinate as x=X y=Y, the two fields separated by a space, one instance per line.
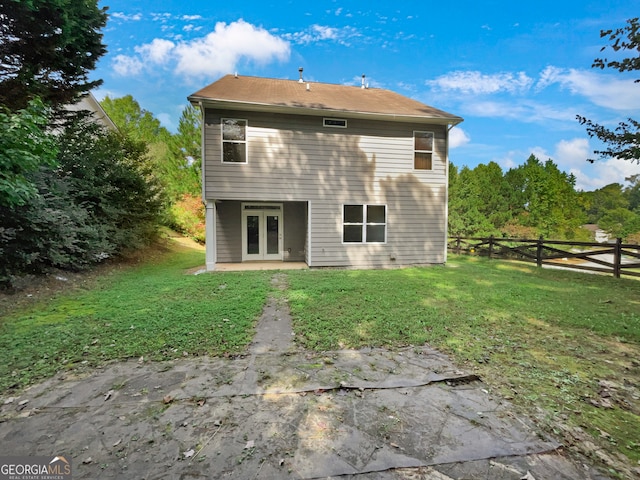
x=89 y=102
x=292 y=96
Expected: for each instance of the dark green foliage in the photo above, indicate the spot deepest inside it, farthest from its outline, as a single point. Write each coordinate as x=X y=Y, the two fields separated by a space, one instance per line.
x=47 y=49
x=622 y=142
x=545 y=198
x=176 y=158
x=186 y=150
x=466 y=205
x=598 y=202
x=620 y=222
x=99 y=200
x=533 y=199
x=24 y=147
x=109 y=176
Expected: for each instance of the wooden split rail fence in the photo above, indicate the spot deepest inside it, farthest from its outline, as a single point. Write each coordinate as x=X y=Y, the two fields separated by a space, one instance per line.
x=615 y=258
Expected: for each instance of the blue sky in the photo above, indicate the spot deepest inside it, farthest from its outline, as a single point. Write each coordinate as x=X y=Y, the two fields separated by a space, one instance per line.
x=517 y=72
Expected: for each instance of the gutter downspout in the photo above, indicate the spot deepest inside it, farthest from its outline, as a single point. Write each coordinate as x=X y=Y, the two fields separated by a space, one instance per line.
x=202 y=150
x=209 y=205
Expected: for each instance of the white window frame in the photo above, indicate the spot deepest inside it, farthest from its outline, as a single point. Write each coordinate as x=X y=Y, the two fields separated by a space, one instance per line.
x=325 y=124
x=245 y=141
x=364 y=223
x=415 y=150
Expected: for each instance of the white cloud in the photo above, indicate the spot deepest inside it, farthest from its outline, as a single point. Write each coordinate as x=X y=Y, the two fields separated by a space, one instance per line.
x=320 y=33
x=161 y=17
x=571 y=157
x=127 y=18
x=458 y=137
x=477 y=83
x=602 y=89
x=573 y=152
x=192 y=28
x=221 y=50
x=127 y=66
x=214 y=54
x=524 y=111
x=612 y=171
x=191 y=17
x=158 y=51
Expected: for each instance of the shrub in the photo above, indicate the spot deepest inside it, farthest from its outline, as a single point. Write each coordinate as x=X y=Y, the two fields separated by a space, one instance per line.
x=100 y=200
x=187 y=217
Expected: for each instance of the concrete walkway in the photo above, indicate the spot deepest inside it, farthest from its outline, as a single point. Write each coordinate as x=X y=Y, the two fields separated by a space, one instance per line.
x=283 y=413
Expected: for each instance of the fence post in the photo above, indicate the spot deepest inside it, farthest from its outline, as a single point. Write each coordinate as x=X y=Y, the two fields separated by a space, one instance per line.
x=617 y=257
x=490 y=246
x=540 y=244
x=458 y=245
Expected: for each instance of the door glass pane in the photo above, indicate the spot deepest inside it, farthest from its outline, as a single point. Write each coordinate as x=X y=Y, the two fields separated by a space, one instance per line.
x=272 y=235
x=253 y=234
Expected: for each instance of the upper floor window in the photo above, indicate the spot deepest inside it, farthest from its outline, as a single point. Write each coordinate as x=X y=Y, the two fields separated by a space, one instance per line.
x=422 y=150
x=364 y=224
x=234 y=140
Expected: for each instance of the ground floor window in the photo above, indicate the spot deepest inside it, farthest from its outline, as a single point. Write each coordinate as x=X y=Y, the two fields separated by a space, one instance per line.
x=364 y=223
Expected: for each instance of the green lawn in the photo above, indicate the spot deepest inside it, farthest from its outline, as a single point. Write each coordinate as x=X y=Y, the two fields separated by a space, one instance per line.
x=155 y=311
x=545 y=339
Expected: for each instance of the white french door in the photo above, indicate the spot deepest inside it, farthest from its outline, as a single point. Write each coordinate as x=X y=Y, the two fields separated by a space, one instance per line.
x=261 y=231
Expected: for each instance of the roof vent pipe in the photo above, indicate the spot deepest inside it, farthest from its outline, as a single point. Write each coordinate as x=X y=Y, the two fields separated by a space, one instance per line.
x=300 y=71
x=308 y=87
x=363 y=81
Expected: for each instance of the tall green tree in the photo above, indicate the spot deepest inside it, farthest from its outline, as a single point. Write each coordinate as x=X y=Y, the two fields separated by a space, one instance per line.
x=632 y=192
x=187 y=152
x=47 y=50
x=546 y=198
x=620 y=222
x=600 y=201
x=465 y=205
x=134 y=121
x=25 y=146
x=176 y=157
x=622 y=142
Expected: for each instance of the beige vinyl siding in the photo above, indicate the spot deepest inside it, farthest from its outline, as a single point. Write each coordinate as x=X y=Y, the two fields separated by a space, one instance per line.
x=294 y=158
x=295 y=231
x=229 y=232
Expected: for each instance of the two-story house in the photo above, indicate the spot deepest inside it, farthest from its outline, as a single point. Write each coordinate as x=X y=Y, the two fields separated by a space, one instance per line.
x=332 y=175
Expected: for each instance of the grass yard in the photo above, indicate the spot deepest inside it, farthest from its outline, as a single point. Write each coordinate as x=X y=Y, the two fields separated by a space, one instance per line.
x=563 y=346
x=153 y=310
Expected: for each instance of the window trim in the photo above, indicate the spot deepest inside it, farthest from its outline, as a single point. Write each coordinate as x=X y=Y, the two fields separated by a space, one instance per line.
x=415 y=150
x=245 y=141
x=364 y=223
x=325 y=124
